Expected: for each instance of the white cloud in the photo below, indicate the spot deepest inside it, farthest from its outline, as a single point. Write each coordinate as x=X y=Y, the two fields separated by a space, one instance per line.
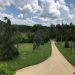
x=18 y=21
x=47 y=10
x=4 y=3
x=27 y=21
x=2 y=15
x=20 y=15
x=27 y=9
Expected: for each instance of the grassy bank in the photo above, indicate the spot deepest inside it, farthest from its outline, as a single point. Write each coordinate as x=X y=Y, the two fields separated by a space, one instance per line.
x=67 y=52
x=27 y=58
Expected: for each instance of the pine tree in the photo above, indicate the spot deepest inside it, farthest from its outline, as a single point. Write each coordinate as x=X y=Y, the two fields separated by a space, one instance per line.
x=8 y=50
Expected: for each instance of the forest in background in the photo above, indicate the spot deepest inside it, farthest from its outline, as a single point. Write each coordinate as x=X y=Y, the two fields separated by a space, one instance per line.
x=25 y=33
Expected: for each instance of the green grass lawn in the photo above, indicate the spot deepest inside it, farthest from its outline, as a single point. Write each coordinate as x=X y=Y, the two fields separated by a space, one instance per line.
x=27 y=58
x=67 y=52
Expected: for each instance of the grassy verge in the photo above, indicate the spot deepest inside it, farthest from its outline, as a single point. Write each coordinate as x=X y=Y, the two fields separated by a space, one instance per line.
x=27 y=58
x=67 y=52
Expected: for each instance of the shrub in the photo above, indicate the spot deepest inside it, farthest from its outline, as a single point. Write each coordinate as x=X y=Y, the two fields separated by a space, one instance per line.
x=42 y=42
x=66 y=44
x=5 y=71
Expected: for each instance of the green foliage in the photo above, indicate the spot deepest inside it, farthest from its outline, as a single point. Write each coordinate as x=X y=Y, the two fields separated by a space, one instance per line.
x=66 y=44
x=52 y=32
x=67 y=32
x=27 y=58
x=67 y=52
x=7 y=48
x=37 y=41
x=42 y=41
x=4 y=70
x=30 y=37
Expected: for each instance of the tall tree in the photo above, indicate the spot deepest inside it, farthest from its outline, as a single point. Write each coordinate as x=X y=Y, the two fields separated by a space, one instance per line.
x=8 y=50
x=36 y=41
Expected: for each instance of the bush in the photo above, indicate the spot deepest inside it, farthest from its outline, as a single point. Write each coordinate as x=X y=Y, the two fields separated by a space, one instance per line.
x=66 y=44
x=6 y=54
x=42 y=42
x=4 y=70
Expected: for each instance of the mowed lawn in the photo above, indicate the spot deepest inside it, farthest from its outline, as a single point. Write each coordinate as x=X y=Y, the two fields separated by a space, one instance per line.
x=27 y=58
x=67 y=52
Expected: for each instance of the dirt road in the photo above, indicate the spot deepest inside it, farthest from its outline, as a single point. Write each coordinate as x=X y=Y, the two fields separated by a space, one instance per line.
x=56 y=64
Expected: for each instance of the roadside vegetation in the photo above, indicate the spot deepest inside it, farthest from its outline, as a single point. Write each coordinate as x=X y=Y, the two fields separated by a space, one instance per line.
x=68 y=53
x=23 y=45
x=26 y=57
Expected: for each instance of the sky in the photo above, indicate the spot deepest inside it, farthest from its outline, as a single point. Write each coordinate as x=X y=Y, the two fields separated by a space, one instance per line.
x=45 y=12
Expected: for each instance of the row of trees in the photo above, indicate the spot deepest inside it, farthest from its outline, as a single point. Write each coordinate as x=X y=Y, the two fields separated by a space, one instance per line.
x=14 y=34
x=27 y=35
x=64 y=32
x=58 y=32
x=11 y=35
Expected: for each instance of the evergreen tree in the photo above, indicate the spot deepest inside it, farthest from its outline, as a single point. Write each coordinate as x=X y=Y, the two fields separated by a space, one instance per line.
x=8 y=50
x=36 y=41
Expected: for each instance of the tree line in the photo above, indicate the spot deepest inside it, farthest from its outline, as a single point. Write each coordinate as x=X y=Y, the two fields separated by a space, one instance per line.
x=15 y=34
x=59 y=32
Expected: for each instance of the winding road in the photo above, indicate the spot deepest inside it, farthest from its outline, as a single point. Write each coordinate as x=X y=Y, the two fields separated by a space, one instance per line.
x=56 y=64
